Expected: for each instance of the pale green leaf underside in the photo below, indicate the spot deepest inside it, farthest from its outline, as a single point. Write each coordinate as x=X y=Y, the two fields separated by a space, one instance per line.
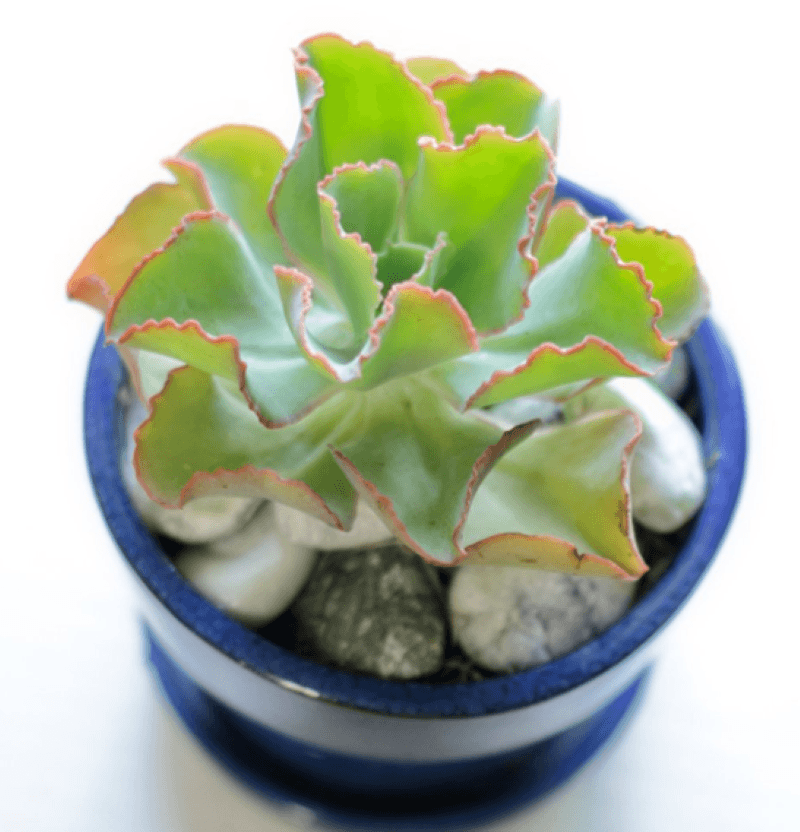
x=346 y=293
x=564 y=222
x=419 y=329
x=558 y=500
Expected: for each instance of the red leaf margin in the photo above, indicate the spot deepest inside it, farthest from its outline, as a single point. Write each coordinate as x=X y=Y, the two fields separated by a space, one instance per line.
x=476 y=552
x=191 y=324
x=315 y=91
x=247 y=480
x=90 y=287
x=705 y=290
x=545 y=191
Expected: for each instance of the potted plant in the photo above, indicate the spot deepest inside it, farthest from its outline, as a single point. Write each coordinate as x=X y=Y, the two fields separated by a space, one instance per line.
x=399 y=312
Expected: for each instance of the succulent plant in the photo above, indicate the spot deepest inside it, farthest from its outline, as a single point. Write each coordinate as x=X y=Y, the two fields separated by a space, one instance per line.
x=348 y=320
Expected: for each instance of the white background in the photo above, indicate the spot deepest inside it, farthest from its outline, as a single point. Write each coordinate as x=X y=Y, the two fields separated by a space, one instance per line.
x=684 y=112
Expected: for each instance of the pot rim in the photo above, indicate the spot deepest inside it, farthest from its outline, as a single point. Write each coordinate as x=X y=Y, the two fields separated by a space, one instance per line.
x=724 y=444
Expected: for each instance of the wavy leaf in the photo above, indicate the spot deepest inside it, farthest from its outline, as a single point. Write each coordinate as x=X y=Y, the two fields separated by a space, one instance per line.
x=234 y=154
x=393 y=347
x=411 y=261
x=417 y=462
x=358 y=105
x=346 y=294
x=564 y=222
x=419 y=328
x=367 y=199
x=500 y=98
x=201 y=438
x=486 y=219
x=144 y=225
x=669 y=265
x=560 y=500
x=590 y=316
x=430 y=70
x=215 y=282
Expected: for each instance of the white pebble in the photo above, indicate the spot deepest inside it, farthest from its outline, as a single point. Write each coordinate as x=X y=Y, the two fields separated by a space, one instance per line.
x=509 y=618
x=253 y=575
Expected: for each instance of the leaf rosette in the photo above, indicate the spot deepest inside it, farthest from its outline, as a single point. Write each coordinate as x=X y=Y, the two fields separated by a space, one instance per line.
x=349 y=319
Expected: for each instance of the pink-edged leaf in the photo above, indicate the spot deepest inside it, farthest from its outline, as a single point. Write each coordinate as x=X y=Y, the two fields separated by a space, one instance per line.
x=668 y=264
x=367 y=199
x=486 y=196
x=590 y=316
x=501 y=98
x=218 y=356
x=418 y=329
x=560 y=500
x=346 y=294
x=144 y=225
x=297 y=294
x=239 y=163
x=202 y=438
x=358 y=105
x=417 y=462
x=206 y=276
x=430 y=70
x=411 y=261
x=564 y=222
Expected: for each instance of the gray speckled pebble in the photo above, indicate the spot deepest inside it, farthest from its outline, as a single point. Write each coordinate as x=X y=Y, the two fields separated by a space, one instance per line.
x=376 y=611
x=508 y=618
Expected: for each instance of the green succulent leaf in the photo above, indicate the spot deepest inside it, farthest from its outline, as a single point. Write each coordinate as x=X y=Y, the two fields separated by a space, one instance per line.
x=670 y=266
x=559 y=500
x=367 y=199
x=396 y=348
x=486 y=218
x=216 y=284
x=499 y=98
x=565 y=221
x=430 y=70
x=359 y=105
x=411 y=261
x=590 y=316
x=202 y=438
x=314 y=325
x=346 y=294
x=236 y=154
x=144 y=225
x=393 y=347
x=417 y=462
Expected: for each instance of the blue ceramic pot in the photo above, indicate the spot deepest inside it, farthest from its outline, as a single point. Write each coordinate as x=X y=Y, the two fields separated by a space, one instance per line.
x=371 y=754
